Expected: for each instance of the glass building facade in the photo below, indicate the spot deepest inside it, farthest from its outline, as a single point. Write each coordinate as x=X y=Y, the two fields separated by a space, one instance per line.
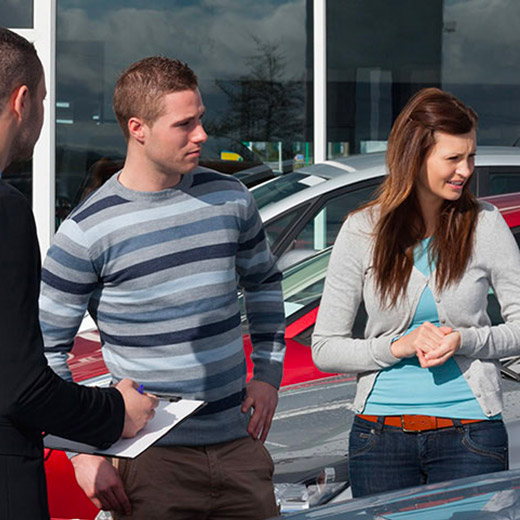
x=17 y=14
x=258 y=77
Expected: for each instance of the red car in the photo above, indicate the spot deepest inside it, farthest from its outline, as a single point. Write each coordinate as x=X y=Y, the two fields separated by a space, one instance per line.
x=67 y=500
x=302 y=285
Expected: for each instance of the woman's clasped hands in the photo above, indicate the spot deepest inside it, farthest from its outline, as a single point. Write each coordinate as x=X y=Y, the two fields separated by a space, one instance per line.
x=432 y=345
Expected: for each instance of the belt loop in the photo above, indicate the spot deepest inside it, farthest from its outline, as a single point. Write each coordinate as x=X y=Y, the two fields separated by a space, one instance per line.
x=380 y=423
x=458 y=425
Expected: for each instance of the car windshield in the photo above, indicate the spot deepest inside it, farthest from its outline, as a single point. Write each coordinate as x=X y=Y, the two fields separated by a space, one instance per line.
x=283 y=186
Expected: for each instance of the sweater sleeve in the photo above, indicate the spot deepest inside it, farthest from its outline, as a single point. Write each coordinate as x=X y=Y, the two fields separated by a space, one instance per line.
x=68 y=281
x=260 y=280
x=333 y=348
x=501 y=255
x=34 y=396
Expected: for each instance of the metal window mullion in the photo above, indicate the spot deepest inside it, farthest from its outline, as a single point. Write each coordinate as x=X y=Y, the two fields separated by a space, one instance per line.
x=320 y=80
x=43 y=183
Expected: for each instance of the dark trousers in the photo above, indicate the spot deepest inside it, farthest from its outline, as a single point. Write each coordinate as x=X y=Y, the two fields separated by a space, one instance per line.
x=23 y=490
x=383 y=458
x=227 y=481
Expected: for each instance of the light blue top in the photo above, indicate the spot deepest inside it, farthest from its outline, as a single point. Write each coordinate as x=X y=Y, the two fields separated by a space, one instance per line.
x=406 y=388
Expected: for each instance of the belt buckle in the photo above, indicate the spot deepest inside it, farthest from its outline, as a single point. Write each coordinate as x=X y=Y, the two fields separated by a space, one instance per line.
x=417 y=423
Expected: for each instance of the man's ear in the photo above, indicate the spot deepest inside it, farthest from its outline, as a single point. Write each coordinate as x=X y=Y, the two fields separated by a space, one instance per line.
x=136 y=129
x=20 y=101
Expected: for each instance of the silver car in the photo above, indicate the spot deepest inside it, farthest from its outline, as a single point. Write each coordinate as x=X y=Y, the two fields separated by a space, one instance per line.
x=303 y=210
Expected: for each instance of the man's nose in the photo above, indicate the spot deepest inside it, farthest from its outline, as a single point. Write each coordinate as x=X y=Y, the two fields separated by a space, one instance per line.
x=200 y=135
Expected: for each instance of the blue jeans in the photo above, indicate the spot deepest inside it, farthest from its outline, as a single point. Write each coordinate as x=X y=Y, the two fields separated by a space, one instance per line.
x=382 y=458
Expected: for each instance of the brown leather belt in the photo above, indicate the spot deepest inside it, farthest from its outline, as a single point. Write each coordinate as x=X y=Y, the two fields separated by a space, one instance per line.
x=417 y=423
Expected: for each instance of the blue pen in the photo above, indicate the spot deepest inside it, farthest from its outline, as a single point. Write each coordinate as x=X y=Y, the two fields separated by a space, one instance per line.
x=140 y=389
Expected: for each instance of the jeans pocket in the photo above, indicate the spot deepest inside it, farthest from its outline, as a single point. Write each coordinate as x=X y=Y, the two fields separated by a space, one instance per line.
x=487 y=438
x=362 y=439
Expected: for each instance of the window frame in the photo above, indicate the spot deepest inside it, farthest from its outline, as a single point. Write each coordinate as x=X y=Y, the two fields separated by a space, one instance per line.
x=43 y=35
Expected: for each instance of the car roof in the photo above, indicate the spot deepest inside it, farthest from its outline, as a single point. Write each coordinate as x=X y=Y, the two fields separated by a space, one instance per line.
x=331 y=175
x=352 y=163
x=332 y=178
x=497 y=155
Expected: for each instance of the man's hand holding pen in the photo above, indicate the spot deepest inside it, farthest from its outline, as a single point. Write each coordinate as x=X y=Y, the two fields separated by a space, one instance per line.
x=139 y=407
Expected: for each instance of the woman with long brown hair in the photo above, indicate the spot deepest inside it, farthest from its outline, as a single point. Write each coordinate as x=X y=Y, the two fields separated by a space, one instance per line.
x=422 y=257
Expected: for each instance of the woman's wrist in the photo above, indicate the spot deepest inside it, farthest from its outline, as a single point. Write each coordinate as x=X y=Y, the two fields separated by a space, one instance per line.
x=395 y=347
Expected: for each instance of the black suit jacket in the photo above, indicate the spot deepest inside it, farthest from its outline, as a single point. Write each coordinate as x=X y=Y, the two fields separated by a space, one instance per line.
x=33 y=399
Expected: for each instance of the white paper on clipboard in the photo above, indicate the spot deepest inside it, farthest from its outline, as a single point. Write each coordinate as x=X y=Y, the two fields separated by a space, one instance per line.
x=167 y=416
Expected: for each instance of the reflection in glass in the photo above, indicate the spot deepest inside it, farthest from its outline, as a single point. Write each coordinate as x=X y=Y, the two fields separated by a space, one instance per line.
x=321 y=231
x=16 y=14
x=481 y=64
x=379 y=53
x=303 y=283
x=251 y=60
x=281 y=188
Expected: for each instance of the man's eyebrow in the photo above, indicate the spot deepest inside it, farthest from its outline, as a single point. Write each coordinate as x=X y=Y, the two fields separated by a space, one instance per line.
x=190 y=118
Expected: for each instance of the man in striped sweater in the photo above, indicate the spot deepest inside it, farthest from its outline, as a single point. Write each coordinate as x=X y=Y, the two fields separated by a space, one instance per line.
x=156 y=255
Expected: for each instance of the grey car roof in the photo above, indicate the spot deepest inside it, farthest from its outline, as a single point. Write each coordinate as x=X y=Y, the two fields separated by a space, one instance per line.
x=345 y=171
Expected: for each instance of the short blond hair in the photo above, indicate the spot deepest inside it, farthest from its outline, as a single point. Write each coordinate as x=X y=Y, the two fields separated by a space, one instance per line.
x=141 y=87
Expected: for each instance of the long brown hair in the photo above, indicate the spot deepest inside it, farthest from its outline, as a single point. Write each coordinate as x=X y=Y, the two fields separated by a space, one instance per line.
x=400 y=224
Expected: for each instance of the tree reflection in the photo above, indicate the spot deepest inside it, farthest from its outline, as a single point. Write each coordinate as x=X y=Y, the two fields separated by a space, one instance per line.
x=263 y=106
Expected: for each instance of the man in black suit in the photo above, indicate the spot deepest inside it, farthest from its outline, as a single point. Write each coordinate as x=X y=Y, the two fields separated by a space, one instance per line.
x=33 y=399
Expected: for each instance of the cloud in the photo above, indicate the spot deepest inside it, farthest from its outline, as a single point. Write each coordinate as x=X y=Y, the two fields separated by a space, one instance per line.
x=482 y=43
x=16 y=14
x=215 y=37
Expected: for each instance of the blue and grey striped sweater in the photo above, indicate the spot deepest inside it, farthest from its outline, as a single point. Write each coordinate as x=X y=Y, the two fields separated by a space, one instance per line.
x=158 y=272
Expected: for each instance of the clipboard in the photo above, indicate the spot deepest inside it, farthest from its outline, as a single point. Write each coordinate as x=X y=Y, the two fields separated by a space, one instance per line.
x=168 y=414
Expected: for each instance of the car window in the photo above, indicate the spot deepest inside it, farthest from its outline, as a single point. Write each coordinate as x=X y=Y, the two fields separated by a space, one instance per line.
x=278 y=227
x=282 y=187
x=303 y=283
x=323 y=227
x=501 y=183
x=500 y=179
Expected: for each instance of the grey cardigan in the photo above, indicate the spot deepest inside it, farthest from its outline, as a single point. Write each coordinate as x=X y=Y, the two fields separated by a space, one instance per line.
x=495 y=262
